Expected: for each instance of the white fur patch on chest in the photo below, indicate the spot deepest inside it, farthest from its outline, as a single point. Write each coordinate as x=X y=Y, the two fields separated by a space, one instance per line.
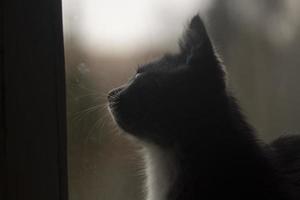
x=160 y=172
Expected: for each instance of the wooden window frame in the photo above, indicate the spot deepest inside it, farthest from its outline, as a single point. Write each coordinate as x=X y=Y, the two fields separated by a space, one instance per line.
x=33 y=144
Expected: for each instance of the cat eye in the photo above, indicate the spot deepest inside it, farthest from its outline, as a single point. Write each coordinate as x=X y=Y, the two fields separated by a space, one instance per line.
x=137 y=75
x=140 y=69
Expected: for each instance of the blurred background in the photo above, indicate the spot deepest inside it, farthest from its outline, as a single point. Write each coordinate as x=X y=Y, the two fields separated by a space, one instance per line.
x=105 y=40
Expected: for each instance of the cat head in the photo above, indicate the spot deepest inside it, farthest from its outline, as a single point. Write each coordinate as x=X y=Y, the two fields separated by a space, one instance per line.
x=169 y=95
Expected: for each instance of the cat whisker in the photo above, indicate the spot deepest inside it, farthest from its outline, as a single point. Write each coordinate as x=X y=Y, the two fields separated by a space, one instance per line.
x=82 y=113
x=99 y=123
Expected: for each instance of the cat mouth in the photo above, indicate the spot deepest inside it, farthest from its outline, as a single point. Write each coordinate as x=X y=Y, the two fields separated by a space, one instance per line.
x=114 y=94
x=117 y=116
x=113 y=98
x=112 y=109
x=118 y=112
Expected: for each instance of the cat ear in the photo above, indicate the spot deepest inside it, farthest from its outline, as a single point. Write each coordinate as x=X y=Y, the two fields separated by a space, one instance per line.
x=195 y=44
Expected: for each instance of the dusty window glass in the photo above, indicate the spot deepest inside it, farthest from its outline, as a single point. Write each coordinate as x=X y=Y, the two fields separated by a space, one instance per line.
x=105 y=41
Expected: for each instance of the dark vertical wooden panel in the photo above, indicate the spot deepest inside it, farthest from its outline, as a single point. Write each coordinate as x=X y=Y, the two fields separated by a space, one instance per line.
x=34 y=100
x=2 y=122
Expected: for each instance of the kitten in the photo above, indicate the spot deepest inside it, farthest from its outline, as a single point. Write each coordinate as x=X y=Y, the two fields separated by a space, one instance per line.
x=197 y=143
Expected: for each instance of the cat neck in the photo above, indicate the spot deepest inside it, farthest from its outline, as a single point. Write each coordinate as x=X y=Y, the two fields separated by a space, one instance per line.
x=160 y=171
x=229 y=165
x=228 y=171
x=199 y=173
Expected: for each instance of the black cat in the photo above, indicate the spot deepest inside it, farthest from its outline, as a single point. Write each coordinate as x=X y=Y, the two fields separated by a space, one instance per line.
x=198 y=145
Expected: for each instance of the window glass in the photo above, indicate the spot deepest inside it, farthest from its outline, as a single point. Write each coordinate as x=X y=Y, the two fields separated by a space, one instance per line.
x=105 y=41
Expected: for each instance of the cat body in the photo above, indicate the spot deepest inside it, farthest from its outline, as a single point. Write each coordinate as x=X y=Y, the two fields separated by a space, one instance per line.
x=197 y=143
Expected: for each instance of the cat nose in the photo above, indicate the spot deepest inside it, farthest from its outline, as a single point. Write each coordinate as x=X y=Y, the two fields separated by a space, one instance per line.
x=113 y=94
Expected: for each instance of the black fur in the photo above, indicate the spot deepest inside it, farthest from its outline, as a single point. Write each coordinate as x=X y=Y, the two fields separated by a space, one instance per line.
x=180 y=103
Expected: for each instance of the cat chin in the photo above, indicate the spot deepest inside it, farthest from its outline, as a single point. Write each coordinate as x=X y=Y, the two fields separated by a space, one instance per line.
x=111 y=112
x=115 y=118
x=120 y=123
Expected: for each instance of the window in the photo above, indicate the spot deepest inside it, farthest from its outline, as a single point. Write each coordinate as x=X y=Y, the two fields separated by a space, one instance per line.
x=105 y=41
